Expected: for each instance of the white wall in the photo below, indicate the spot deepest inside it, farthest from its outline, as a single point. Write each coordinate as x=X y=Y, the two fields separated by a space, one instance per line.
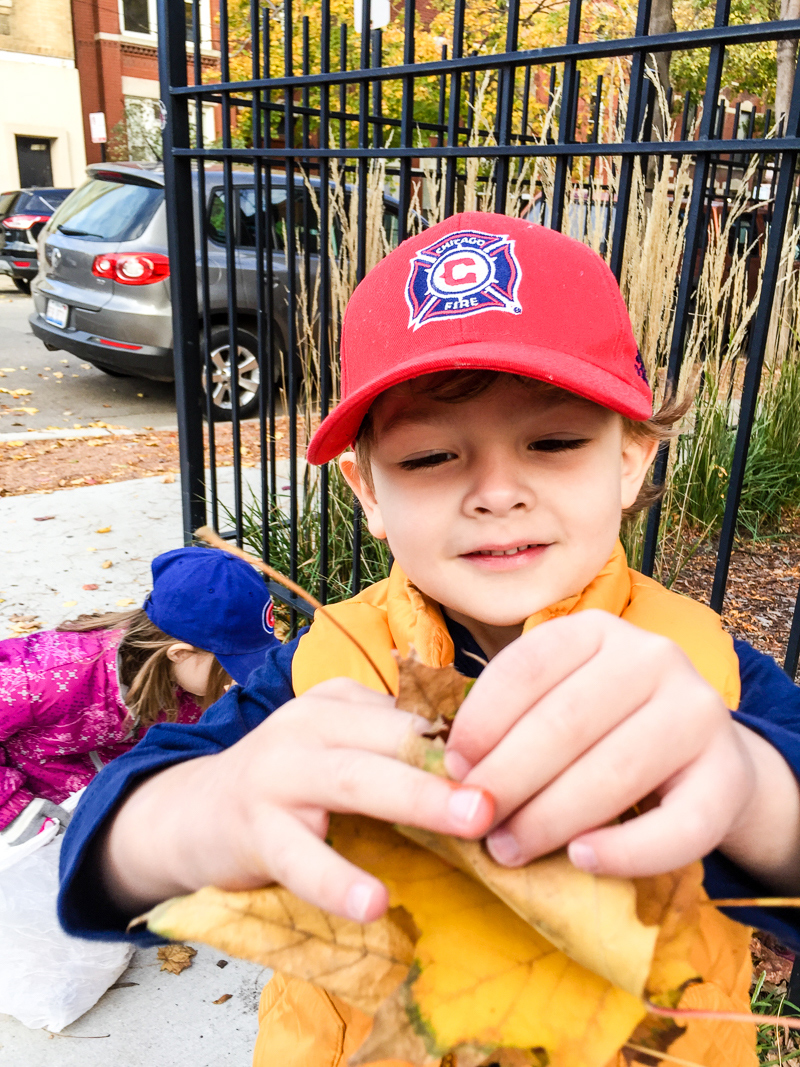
x=41 y=98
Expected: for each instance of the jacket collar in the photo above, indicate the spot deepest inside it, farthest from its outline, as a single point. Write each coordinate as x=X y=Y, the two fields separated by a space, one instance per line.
x=416 y=620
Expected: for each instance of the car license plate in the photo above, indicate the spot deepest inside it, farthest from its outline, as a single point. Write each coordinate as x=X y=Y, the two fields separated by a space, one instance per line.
x=57 y=313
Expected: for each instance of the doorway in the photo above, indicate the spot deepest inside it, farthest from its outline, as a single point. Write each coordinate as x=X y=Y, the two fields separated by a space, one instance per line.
x=35 y=164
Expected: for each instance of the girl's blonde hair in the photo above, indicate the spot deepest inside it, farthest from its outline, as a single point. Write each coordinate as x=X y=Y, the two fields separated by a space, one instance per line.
x=144 y=665
x=458 y=386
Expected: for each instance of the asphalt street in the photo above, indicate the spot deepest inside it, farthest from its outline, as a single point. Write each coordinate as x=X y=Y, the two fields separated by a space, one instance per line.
x=65 y=390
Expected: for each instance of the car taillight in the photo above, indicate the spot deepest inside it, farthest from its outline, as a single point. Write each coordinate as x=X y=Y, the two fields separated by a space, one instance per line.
x=23 y=222
x=132 y=268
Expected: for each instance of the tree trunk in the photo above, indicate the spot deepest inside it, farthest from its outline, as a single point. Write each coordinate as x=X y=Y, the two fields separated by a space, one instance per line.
x=787 y=53
x=662 y=20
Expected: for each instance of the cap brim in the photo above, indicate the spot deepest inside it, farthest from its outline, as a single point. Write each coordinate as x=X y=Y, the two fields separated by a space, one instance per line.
x=242 y=666
x=574 y=373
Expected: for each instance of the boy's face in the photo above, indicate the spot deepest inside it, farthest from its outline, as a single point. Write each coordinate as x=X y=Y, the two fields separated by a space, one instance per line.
x=501 y=505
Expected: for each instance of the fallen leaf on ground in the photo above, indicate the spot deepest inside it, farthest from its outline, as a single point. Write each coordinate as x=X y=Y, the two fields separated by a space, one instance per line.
x=91 y=585
x=106 y=563
x=43 y=518
x=69 y=603
x=168 y=478
x=104 y=529
x=361 y=964
x=125 y=602
x=222 y=1000
x=771 y=959
x=176 y=958
x=24 y=624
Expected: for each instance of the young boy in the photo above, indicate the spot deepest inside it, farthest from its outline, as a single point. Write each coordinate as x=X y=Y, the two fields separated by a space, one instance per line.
x=502 y=424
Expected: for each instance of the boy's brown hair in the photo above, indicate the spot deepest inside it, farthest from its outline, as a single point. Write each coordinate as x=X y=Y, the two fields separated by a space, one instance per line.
x=144 y=666
x=459 y=386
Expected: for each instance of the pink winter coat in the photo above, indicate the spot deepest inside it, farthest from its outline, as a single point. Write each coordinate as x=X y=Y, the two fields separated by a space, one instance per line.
x=59 y=702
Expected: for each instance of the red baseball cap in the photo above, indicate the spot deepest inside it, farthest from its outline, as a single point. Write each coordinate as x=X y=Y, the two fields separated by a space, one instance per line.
x=489 y=292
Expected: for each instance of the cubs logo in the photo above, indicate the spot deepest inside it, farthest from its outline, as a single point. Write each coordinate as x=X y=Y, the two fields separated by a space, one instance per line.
x=268 y=621
x=463 y=274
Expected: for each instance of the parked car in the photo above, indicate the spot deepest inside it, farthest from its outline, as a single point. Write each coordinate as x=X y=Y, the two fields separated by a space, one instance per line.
x=23 y=213
x=102 y=291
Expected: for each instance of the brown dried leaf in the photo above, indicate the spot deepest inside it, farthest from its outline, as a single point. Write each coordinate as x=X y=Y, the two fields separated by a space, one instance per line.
x=770 y=959
x=176 y=958
x=432 y=692
x=223 y=999
x=360 y=964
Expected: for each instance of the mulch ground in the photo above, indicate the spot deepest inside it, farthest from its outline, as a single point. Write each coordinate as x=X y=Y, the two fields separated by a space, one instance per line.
x=762 y=587
x=43 y=466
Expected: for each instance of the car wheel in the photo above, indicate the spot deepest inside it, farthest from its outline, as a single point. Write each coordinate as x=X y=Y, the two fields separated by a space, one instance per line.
x=248 y=374
x=23 y=285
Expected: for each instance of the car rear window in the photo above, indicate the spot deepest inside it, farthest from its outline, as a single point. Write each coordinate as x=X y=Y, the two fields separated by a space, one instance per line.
x=110 y=211
x=42 y=202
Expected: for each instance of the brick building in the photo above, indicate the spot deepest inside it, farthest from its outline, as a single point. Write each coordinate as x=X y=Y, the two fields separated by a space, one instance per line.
x=41 y=131
x=116 y=55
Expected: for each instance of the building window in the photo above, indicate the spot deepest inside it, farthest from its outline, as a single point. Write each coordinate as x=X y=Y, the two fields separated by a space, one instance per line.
x=143 y=128
x=745 y=117
x=136 y=16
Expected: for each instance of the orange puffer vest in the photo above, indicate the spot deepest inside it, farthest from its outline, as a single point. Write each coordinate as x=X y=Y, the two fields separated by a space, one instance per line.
x=303 y=1026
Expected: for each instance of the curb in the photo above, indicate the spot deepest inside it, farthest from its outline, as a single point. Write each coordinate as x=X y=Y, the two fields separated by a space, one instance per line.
x=74 y=435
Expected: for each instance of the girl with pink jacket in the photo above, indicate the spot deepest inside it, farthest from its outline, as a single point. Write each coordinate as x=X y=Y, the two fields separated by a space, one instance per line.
x=72 y=699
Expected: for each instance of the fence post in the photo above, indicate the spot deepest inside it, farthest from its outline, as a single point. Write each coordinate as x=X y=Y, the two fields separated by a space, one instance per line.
x=183 y=271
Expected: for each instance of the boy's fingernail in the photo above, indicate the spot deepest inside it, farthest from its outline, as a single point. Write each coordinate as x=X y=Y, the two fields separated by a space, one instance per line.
x=456 y=766
x=464 y=805
x=358 y=900
x=503 y=848
x=582 y=856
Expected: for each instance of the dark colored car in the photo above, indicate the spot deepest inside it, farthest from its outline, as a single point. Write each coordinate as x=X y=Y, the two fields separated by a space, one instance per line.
x=23 y=213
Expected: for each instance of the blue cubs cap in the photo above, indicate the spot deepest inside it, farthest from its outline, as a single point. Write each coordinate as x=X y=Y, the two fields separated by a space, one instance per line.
x=214 y=601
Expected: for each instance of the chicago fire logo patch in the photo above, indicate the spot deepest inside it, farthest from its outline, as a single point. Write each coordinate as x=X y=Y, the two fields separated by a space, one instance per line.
x=462 y=274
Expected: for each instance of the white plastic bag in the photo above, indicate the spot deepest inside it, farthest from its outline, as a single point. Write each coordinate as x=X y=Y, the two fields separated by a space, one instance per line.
x=46 y=977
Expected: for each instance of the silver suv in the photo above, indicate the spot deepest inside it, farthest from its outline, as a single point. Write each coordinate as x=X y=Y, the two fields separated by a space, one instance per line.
x=102 y=291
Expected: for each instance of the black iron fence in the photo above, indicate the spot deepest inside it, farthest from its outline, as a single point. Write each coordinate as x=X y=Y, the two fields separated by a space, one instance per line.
x=331 y=145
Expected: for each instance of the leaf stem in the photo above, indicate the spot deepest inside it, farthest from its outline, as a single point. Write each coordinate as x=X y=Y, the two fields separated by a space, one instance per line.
x=660 y=1055
x=755 y=902
x=728 y=1016
x=205 y=533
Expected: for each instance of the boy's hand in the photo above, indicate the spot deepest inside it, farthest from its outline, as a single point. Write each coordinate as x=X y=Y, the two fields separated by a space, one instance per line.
x=582 y=718
x=258 y=812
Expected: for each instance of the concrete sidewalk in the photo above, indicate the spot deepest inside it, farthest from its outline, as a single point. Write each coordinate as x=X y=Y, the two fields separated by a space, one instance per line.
x=150 y=1018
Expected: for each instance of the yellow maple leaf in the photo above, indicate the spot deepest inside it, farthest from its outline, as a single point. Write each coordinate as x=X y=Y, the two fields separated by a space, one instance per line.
x=486 y=977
